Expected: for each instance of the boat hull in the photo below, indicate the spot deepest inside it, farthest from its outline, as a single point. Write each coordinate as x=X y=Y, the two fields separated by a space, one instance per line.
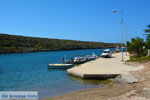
x=60 y=66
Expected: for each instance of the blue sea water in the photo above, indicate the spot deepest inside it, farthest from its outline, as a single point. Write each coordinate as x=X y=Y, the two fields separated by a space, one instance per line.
x=28 y=71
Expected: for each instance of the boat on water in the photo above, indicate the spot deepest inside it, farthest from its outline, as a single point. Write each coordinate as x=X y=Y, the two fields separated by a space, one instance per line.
x=91 y=57
x=117 y=49
x=79 y=60
x=59 y=66
x=71 y=61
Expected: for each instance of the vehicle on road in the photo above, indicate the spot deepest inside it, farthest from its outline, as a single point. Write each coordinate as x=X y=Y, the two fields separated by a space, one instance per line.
x=106 y=53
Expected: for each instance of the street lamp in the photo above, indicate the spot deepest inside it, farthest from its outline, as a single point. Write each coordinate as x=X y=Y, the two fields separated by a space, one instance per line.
x=122 y=22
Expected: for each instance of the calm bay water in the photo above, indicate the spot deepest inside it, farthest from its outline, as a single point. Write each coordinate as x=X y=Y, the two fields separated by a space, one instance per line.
x=28 y=71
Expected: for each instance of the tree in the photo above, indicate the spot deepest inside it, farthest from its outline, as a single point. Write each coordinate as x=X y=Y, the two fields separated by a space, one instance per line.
x=14 y=43
x=136 y=47
x=147 y=30
x=148 y=42
x=147 y=39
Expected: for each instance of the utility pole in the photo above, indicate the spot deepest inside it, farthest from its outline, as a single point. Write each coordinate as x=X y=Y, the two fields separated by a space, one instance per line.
x=122 y=30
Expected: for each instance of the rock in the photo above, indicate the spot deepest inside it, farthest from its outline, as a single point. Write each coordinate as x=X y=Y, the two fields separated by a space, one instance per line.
x=126 y=79
x=129 y=78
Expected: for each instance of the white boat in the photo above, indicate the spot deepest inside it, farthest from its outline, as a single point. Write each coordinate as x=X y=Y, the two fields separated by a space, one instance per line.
x=59 y=66
x=91 y=57
x=117 y=49
x=79 y=60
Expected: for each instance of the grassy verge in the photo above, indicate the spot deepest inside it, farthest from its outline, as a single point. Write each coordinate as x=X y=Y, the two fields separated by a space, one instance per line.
x=144 y=58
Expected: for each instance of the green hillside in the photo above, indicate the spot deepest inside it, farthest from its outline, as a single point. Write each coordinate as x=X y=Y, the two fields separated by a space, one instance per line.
x=18 y=44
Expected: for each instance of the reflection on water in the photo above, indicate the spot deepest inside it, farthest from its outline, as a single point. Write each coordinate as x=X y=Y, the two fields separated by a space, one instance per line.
x=92 y=81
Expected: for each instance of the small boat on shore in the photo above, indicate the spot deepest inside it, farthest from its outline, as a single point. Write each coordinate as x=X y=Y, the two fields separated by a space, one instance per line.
x=59 y=66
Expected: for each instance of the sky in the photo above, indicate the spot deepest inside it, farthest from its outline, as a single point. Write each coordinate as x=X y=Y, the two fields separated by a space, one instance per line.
x=86 y=20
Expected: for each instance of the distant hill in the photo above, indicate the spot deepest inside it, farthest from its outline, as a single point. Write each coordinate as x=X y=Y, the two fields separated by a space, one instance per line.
x=18 y=44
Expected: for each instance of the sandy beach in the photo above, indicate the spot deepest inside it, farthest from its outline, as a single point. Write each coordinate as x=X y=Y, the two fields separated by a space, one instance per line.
x=104 y=66
x=119 y=90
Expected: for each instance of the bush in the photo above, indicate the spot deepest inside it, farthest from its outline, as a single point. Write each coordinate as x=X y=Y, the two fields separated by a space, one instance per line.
x=144 y=58
x=136 y=47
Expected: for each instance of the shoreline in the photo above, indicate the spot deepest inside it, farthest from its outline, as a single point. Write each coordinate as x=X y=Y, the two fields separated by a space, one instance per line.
x=105 y=68
x=52 y=50
x=118 y=91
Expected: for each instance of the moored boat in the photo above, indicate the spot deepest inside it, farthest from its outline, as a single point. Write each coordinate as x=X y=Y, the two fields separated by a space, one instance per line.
x=79 y=60
x=91 y=57
x=59 y=66
x=71 y=61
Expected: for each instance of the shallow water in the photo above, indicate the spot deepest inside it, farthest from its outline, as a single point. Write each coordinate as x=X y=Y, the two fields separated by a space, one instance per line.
x=28 y=71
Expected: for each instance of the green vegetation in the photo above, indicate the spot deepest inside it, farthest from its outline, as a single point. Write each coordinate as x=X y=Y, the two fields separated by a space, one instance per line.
x=18 y=44
x=138 y=48
x=147 y=36
x=144 y=58
x=148 y=29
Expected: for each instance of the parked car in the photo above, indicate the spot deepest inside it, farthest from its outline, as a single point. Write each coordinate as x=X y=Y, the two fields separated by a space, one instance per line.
x=106 y=53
